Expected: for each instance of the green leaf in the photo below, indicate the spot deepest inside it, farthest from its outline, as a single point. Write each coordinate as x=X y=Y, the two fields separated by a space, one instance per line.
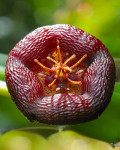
x=44 y=131
x=2 y=73
x=3 y=59
x=65 y=140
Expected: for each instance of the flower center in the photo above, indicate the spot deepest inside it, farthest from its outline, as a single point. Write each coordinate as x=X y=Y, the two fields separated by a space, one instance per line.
x=60 y=68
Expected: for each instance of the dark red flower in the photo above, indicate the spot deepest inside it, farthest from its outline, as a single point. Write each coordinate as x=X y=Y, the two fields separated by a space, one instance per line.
x=60 y=74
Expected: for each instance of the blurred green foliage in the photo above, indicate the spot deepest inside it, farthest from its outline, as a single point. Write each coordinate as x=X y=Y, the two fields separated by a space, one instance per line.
x=100 y=18
x=65 y=140
x=18 y=18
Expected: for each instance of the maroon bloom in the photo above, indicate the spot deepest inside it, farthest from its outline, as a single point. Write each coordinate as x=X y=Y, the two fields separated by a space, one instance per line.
x=60 y=74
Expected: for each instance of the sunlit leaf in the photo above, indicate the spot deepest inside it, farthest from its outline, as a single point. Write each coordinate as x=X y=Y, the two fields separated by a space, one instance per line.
x=65 y=140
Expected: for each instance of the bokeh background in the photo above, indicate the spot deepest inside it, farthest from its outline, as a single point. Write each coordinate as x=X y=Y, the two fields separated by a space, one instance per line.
x=100 y=18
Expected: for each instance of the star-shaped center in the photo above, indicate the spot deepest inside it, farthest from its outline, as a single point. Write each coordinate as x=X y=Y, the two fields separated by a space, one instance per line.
x=60 y=68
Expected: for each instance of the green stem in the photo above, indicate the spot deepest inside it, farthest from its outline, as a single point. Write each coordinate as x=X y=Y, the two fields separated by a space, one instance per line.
x=3 y=89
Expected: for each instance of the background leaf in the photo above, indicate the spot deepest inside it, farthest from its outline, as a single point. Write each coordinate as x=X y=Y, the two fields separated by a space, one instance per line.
x=65 y=140
x=3 y=58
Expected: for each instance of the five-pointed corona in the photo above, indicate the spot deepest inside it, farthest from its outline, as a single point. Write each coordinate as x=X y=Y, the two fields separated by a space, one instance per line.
x=60 y=68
